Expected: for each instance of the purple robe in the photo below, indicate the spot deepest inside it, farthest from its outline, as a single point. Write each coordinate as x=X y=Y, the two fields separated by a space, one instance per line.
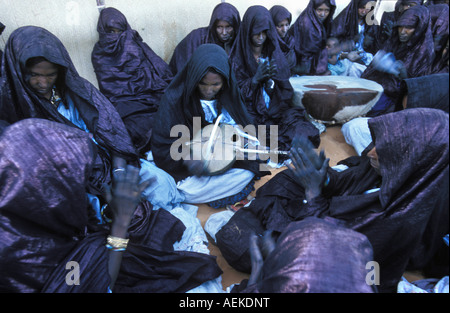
x=345 y=25
x=18 y=101
x=287 y=44
x=440 y=29
x=404 y=220
x=46 y=222
x=130 y=74
x=417 y=54
x=222 y=12
x=301 y=262
x=290 y=120
x=181 y=104
x=311 y=35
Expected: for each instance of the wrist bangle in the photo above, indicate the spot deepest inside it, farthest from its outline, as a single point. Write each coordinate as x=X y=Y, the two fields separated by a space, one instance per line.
x=116 y=243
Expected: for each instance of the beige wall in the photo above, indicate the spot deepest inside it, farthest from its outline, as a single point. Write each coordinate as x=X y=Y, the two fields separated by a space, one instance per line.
x=161 y=23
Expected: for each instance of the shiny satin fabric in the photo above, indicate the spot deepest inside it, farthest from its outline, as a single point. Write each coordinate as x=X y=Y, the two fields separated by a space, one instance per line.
x=204 y=35
x=130 y=74
x=317 y=256
x=47 y=226
x=404 y=221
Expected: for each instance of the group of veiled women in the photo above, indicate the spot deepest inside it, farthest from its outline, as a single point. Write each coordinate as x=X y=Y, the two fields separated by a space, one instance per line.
x=93 y=176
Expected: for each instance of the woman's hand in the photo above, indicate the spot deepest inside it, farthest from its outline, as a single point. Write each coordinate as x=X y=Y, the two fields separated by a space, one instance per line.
x=125 y=193
x=123 y=198
x=310 y=169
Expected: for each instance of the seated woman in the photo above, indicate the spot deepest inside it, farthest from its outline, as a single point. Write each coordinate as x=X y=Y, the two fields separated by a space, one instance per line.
x=222 y=29
x=130 y=74
x=351 y=26
x=310 y=256
x=412 y=45
x=205 y=89
x=41 y=81
x=52 y=241
x=263 y=75
x=396 y=195
x=310 y=32
x=282 y=19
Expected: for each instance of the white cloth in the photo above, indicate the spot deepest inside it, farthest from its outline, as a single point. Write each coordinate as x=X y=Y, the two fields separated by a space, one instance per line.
x=205 y=189
x=357 y=133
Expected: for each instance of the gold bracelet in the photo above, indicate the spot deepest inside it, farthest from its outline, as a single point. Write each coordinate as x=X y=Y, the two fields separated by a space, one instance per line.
x=116 y=243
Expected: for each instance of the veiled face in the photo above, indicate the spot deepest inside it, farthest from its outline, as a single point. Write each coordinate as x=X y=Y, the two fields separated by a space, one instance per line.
x=373 y=156
x=113 y=30
x=283 y=27
x=259 y=39
x=405 y=33
x=224 y=31
x=210 y=86
x=322 y=12
x=43 y=76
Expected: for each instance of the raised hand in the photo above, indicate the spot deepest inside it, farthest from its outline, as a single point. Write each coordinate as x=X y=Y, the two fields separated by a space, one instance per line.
x=125 y=193
x=309 y=171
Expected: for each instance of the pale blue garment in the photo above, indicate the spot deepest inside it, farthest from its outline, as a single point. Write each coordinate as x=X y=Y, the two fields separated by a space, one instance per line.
x=163 y=194
x=266 y=98
x=338 y=69
x=205 y=189
x=366 y=56
x=404 y=286
x=357 y=133
x=346 y=67
x=95 y=205
x=216 y=221
x=194 y=238
x=210 y=110
x=72 y=114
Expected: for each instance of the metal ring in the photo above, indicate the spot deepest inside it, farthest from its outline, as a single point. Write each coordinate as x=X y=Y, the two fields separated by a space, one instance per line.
x=119 y=169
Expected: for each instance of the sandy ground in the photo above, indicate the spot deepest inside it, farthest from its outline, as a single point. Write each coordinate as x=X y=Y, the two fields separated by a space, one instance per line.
x=333 y=142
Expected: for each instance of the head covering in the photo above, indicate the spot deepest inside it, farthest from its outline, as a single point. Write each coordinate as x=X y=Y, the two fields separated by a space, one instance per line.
x=222 y=12
x=18 y=101
x=417 y=54
x=287 y=44
x=345 y=25
x=257 y=19
x=181 y=103
x=280 y=13
x=45 y=222
x=311 y=34
x=317 y=256
x=280 y=111
x=130 y=74
x=43 y=202
x=404 y=221
x=126 y=67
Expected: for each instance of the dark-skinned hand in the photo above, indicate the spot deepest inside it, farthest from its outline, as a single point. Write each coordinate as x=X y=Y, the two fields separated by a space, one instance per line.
x=125 y=193
x=309 y=171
